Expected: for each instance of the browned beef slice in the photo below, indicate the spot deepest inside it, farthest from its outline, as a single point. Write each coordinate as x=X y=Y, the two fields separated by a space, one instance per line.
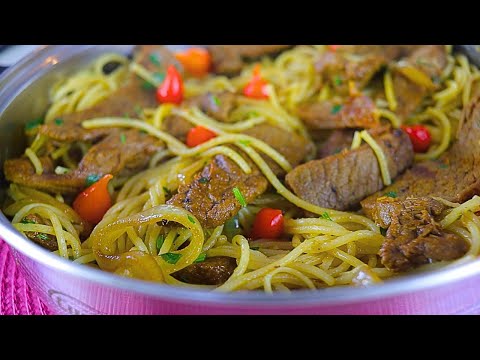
x=414 y=237
x=122 y=103
x=229 y=59
x=47 y=241
x=116 y=155
x=430 y=60
x=293 y=147
x=210 y=195
x=357 y=112
x=337 y=141
x=388 y=52
x=213 y=271
x=454 y=177
x=341 y=181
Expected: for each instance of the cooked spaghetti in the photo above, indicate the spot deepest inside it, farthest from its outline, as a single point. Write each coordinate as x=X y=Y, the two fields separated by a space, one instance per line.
x=259 y=172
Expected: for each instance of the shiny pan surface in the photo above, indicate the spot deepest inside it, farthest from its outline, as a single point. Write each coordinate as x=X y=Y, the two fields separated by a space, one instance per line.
x=68 y=288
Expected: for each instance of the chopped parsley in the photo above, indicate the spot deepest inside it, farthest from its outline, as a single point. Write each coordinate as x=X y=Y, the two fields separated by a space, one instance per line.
x=239 y=196
x=167 y=191
x=245 y=142
x=27 y=221
x=171 y=258
x=203 y=180
x=154 y=59
x=58 y=121
x=191 y=219
x=252 y=114
x=326 y=216
x=337 y=80
x=215 y=100
x=123 y=138
x=33 y=124
x=159 y=77
x=443 y=166
x=43 y=236
x=160 y=241
x=147 y=86
x=383 y=231
x=336 y=109
x=201 y=258
x=92 y=179
x=391 y=194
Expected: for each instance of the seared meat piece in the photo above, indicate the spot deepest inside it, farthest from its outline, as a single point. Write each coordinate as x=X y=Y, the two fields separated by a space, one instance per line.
x=213 y=271
x=116 y=155
x=429 y=61
x=341 y=181
x=46 y=241
x=337 y=141
x=210 y=195
x=387 y=52
x=121 y=103
x=454 y=177
x=230 y=59
x=414 y=237
x=293 y=147
x=357 y=112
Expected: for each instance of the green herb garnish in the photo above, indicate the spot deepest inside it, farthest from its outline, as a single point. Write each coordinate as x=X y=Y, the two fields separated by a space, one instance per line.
x=43 y=236
x=123 y=138
x=58 y=121
x=252 y=114
x=443 y=166
x=326 y=216
x=154 y=59
x=171 y=258
x=216 y=100
x=245 y=142
x=92 y=179
x=160 y=241
x=167 y=191
x=337 y=80
x=336 y=109
x=159 y=77
x=201 y=258
x=391 y=194
x=383 y=231
x=191 y=219
x=239 y=196
x=27 y=221
x=33 y=124
x=203 y=180
x=147 y=86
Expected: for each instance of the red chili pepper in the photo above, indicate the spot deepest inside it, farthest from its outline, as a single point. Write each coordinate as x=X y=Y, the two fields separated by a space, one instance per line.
x=198 y=135
x=171 y=89
x=419 y=136
x=93 y=202
x=257 y=88
x=269 y=224
x=197 y=61
x=333 y=47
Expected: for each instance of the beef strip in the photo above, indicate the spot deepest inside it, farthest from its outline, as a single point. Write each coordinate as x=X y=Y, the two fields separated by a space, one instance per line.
x=455 y=176
x=336 y=142
x=210 y=195
x=341 y=181
x=116 y=155
x=429 y=60
x=414 y=237
x=46 y=241
x=213 y=271
x=121 y=103
x=230 y=59
x=356 y=112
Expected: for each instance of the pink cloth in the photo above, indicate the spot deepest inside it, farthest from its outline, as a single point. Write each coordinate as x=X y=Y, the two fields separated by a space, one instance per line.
x=16 y=297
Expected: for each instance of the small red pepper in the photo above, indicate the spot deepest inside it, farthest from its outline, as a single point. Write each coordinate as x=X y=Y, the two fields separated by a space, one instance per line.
x=198 y=135
x=171 y=89
x=93 y=202
x=257 y=88
x=197 y=61
x=419 y=136
x=269 y=224
x=333 y=47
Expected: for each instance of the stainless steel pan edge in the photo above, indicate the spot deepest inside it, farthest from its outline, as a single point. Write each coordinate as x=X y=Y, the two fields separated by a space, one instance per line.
x=70 y=288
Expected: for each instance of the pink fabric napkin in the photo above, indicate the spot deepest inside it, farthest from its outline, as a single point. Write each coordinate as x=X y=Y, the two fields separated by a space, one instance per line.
x=16 y=297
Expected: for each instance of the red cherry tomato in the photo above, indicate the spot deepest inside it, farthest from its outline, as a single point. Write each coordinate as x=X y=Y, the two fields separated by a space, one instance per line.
x=333 y=47
x=419 y=136
x=93 y=202
x=197 y=61
x=257 y=87
x=269 y=224
x=198 y=135
x=171 y=89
